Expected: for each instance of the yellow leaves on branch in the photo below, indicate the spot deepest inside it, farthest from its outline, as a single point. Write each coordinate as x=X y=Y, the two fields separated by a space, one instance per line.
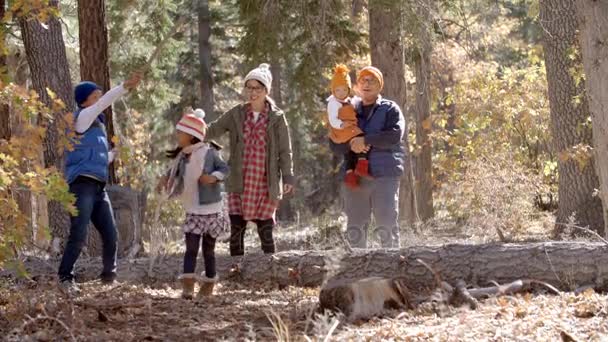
x=133 y=150
x=427 y=124
x=22 y=166
x=39 y=9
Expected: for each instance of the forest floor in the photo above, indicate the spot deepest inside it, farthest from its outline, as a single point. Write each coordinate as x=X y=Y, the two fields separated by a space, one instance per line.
x=39 y=311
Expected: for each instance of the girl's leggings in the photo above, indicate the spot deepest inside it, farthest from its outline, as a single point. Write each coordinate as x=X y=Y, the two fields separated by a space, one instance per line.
x=192 y=244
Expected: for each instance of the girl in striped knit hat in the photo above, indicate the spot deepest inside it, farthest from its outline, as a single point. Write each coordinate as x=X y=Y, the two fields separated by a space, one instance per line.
x=195 y=177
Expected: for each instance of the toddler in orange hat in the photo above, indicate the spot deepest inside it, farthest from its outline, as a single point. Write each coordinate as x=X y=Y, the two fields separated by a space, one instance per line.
x=343 y=124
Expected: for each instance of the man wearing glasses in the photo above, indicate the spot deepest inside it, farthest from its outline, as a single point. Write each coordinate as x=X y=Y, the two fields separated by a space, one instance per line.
x=383 y=125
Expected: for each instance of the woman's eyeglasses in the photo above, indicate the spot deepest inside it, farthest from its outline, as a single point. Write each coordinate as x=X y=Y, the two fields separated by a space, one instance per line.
x=254 y=89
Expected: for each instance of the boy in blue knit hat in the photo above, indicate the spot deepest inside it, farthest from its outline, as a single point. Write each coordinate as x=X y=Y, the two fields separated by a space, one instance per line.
x=86 y=170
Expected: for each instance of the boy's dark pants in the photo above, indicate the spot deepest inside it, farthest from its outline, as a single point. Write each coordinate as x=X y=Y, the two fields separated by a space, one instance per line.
x=237 y=235
x=192 y=244
x=93 y=205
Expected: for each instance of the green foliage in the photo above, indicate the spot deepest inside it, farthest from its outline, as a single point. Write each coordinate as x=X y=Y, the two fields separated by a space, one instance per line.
x=499 y=113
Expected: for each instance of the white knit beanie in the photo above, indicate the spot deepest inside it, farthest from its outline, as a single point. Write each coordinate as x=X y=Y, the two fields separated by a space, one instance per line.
x=261 y=74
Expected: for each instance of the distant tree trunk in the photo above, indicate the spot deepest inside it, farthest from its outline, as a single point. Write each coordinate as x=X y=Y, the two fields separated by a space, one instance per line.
x=277 y=72
x=357 y=8
x=423 y=165
x=387 y=52
x=285 y=211
x=594 y=44
x=94 y=61
x=576 y=184
x=5 y=119
x=204 y=51
x=44 y=47
x=450 y=108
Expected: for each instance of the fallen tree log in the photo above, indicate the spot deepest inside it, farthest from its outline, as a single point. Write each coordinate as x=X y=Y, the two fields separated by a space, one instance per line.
x=565 y=265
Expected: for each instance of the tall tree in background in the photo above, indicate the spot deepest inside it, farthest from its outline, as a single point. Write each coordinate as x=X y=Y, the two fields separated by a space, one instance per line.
x=5 y=120
x=94 y=62
x=49 y=69
x=568 y=118
x=387 y=52
x=204 y=52
x=594 y=44
x=423 y=182
x=285 y=211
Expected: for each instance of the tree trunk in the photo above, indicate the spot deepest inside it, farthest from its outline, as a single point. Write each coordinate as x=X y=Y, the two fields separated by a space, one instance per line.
x=277 y=72
x=285 y=212
x=424 y=178
x=44 y=47
x=568 y=119
x=5 y=119
x=204 y=51
x=356 y=9
x=594 y=44
x=94 y=60
x=387 y=54
x=566 y=265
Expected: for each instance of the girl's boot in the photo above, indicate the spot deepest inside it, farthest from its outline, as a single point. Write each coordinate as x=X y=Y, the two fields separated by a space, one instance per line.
x=188 y=281
x=206 y=286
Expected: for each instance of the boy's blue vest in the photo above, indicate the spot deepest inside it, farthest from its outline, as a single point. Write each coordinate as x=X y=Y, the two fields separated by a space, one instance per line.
x=90 y=154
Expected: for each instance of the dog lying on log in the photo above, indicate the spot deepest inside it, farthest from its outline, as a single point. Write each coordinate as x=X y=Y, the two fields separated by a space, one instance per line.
x=366 y=297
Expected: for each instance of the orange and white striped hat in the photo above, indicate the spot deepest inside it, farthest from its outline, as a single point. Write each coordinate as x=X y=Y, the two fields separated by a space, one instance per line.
x=193 y=124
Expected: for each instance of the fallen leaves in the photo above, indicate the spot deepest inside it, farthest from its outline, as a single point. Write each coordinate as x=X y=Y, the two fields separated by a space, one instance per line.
x=589 y=304
x=240 y=312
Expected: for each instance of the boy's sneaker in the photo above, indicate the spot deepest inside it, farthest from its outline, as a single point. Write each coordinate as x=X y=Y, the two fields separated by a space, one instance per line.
x=108 y=278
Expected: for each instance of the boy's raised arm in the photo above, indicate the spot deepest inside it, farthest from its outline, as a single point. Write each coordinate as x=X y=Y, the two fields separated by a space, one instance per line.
x=88 y=115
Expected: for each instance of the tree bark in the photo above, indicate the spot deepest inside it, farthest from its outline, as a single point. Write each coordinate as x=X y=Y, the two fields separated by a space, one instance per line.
x=576 y=183
x=566 y=265
x=594 y=46
x=285 y=212
x=204 y=50
x=423 y=170
x=356 y=9
x=387 y=53
x=5 y=118
x=94 y=60
x=48 y=64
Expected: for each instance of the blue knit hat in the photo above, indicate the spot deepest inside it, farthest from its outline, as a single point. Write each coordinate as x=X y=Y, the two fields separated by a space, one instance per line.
x=83 y=90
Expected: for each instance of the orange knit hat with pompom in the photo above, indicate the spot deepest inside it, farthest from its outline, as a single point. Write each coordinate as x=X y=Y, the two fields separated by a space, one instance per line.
x=340 y=78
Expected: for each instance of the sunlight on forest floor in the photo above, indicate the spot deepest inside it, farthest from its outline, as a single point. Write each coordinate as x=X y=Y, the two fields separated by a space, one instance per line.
x=39 y=312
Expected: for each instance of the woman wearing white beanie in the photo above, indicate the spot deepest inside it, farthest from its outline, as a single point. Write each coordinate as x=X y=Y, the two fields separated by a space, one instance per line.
x=260 y=160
